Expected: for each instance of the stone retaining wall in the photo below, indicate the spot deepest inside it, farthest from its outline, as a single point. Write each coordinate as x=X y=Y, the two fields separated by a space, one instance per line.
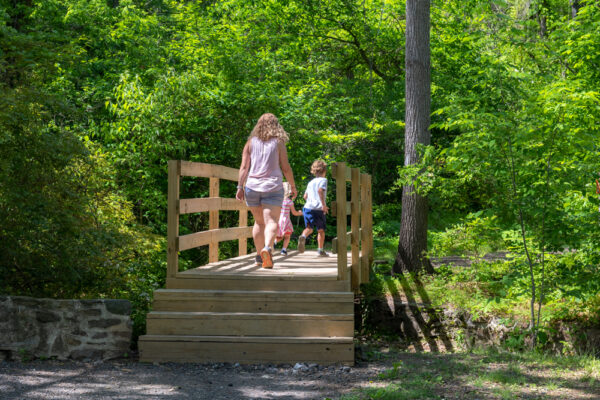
x=76 y=329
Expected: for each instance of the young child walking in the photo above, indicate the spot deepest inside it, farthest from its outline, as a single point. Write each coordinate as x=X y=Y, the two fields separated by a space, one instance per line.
x=285 y=223
x=315 y=207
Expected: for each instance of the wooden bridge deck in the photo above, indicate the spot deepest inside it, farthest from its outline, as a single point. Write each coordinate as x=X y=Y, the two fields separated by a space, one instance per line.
x=295 y=264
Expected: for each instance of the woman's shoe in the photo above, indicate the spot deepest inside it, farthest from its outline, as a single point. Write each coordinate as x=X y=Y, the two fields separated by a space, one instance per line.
x=258 y=260
x=267 y=258
x=283 y=252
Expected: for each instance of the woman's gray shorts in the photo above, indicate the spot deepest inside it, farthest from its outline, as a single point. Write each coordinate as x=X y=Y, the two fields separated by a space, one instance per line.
x=256 y=199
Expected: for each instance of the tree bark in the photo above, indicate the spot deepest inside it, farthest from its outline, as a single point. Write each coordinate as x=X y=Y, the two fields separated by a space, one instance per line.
x=574 y=4
x=412 y=243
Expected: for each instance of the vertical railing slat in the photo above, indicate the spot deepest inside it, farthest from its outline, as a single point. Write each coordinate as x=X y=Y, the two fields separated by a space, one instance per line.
x=173 y=218
x=243 y=243
x=364 y=204
x=342 y=255
x=213 y=221
x=355 y=226
x=369 y=217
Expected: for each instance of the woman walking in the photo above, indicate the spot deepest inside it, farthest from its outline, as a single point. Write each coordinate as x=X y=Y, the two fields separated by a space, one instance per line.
x=260 y=182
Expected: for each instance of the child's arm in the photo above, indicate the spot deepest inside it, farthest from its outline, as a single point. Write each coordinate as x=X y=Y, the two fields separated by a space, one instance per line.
x=294 y=212
x=322 y=197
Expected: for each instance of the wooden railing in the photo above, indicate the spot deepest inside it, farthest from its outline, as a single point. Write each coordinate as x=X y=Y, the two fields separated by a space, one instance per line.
x=212 y=204
x=361 y=223
x=359 y=208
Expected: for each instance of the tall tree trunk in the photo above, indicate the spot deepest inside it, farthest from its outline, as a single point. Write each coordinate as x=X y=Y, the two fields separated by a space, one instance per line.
x=412 y=243
x=574 y=7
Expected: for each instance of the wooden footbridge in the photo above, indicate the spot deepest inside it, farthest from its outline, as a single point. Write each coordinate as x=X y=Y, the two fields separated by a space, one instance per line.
x=229 y=310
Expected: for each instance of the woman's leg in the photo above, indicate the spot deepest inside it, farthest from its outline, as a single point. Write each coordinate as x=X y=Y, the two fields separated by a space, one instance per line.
x=270 y=218
x=258 y=230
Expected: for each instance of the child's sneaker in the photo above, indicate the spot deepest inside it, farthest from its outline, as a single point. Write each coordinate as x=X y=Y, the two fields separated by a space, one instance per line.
x=258 y=260
x=267 y=259
x=322 y=253
x=283 y=252
x=301 y=244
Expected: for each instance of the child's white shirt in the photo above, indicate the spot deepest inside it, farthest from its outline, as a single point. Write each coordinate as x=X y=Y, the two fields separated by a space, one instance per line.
x=313 y=200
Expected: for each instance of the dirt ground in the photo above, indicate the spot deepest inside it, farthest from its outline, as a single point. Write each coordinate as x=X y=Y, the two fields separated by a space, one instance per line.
x=132 y=380
x=389 y=375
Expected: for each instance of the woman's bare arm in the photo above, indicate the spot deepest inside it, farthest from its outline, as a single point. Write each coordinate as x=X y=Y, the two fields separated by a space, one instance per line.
x=287 y=169
x=244 y=170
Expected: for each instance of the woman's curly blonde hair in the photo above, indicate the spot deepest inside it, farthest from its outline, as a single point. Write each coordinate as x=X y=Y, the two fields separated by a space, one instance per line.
x=268 y=127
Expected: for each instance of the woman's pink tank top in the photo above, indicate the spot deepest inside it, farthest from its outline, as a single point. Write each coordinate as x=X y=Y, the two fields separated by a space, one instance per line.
x=265 y=174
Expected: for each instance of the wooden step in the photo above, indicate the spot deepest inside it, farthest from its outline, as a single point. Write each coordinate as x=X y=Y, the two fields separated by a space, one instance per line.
x=293 y=302
x=249 y=324
x=247 y=350
x=258 y=283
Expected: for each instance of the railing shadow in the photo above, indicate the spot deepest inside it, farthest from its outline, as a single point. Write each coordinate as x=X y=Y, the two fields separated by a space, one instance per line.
x=406 y=311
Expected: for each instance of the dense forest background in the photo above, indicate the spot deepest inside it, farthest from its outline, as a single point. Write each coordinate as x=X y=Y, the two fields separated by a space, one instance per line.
x=97 y=95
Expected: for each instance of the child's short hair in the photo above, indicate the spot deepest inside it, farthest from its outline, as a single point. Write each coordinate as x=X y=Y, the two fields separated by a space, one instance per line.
x=287 y=189
x=318 y=167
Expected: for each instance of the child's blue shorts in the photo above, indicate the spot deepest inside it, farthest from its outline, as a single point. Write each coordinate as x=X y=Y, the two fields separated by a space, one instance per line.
x=314 y=219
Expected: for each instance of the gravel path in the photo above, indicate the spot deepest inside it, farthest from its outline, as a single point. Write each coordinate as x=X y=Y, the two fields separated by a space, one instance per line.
x=132 y=380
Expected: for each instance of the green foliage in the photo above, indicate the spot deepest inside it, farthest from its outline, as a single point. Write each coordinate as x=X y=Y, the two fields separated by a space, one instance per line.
x=96 y=96
x=477 y=236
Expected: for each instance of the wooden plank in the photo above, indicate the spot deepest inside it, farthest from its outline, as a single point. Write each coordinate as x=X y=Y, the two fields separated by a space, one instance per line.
x=188 y=206
x=369 y=216
x=255 y=339
x=224 y=283
x=334 y=172
x=295 y=302
x=243 y=242
x=355 y=229
x=249 y=324
x=203 y=170
x=213 y=222
x=173 y=217
x=363 y=224
x=334 y=208
x=259 y=350
x=342 y=258
x=253 y=304
x=366 y=225
x=204 y=238
x=239 y=295
x=334 y=242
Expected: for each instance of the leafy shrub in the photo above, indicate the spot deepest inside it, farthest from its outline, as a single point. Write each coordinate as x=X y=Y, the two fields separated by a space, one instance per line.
x=476 y=236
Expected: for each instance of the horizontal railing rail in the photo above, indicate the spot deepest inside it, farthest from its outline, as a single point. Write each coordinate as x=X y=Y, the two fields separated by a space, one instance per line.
x=213 y=204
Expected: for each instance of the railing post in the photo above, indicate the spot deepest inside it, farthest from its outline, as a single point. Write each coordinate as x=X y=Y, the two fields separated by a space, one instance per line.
x=364 y=221
x=173 y=218
x=370 y=221
x=243 y=242
x=213 y=221
x=355 y=226
x=342 y=255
